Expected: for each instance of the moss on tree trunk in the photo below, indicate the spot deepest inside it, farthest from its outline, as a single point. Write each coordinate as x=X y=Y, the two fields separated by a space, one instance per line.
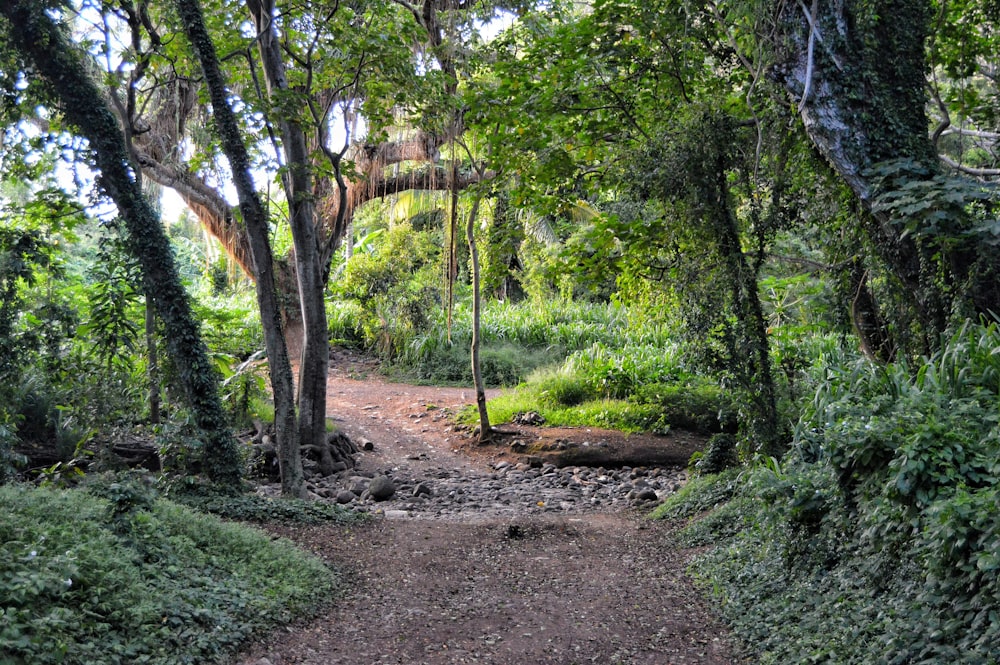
x=255 y=218
x=32 y=31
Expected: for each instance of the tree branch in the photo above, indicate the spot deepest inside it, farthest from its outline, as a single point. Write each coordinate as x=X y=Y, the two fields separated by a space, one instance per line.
x=968 y=170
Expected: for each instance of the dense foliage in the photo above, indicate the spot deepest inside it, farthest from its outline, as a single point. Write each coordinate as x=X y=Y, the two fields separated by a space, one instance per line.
x=876 y=538
x=115 y=575
x=688 y=215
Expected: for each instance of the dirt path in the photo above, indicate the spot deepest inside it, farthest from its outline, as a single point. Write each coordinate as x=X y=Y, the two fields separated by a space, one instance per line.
x=497 y=582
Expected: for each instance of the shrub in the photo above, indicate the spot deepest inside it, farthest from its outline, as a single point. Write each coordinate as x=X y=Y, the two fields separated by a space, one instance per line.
x=254 y=508
x=720 y=454
x=877 y=538
x=129 y=579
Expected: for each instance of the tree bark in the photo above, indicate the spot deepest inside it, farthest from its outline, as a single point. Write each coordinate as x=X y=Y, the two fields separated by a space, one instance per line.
x=485 y=430
x=256 y=221
x=858 y=80
x=34 y=33
x=152 y=363
x=865 y=317
x=315 y=358
x=746 y=304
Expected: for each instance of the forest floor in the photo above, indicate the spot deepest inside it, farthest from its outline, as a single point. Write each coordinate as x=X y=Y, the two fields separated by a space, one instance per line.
x=498 y=561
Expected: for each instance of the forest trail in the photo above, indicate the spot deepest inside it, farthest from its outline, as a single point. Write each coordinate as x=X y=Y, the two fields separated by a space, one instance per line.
x=461 y=577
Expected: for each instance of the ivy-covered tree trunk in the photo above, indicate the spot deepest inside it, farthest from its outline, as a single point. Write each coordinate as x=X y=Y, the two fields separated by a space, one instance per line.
x=152 y=363
x=757 y=377
x=309 y=267
x=855 y=69
x=255 y=219
x=697 y=169
x=32 y=31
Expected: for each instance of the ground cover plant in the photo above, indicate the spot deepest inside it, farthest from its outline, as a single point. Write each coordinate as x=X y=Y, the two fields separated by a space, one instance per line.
x=114 y=575
x=877 y=538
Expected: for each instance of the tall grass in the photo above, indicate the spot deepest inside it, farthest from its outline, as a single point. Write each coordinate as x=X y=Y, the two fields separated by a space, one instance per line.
x=521 y=337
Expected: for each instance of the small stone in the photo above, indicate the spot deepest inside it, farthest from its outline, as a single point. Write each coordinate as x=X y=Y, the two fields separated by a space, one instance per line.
x=345 y=496
x=381 y=488
x=396 y=514
x=422 y=489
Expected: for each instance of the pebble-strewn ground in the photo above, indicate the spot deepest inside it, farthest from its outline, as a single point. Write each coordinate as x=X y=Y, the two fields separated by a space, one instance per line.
x=477 y=557
x=506 y=490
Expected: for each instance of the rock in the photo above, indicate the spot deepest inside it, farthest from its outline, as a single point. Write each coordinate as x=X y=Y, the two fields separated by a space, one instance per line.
x=646 y=495
x=358 y=484
x=422 y=489
x=381 y=488
x=396 y=514
x=345 y=496
x=528 y=418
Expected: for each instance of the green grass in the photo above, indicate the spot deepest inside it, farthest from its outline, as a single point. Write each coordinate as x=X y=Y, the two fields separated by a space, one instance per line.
x=635 y=401
x=607 y=413
x=516 y=339
x=125 y=578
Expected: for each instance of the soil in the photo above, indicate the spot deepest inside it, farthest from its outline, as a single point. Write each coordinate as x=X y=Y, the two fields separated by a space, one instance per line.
x=584 y=582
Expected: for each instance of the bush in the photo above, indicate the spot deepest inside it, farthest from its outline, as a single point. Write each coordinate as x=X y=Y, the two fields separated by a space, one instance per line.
x=877 y=538
x=127 y=579
x=254 y=508
x=720 y=454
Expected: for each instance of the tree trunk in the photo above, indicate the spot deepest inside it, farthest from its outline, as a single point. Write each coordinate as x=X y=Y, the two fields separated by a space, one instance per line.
x=865 y=317
x=485 y=430
x=31 y=30
x=255 y=218
x=152 y=364
x=759 y=379
x=315 y=356
x=857 y=76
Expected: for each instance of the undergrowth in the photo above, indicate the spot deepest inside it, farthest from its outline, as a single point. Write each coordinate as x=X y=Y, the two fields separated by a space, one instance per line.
x=635 y=389
x=516 y=339
x=877 y=538
x=254 y=508
x=118 y=576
